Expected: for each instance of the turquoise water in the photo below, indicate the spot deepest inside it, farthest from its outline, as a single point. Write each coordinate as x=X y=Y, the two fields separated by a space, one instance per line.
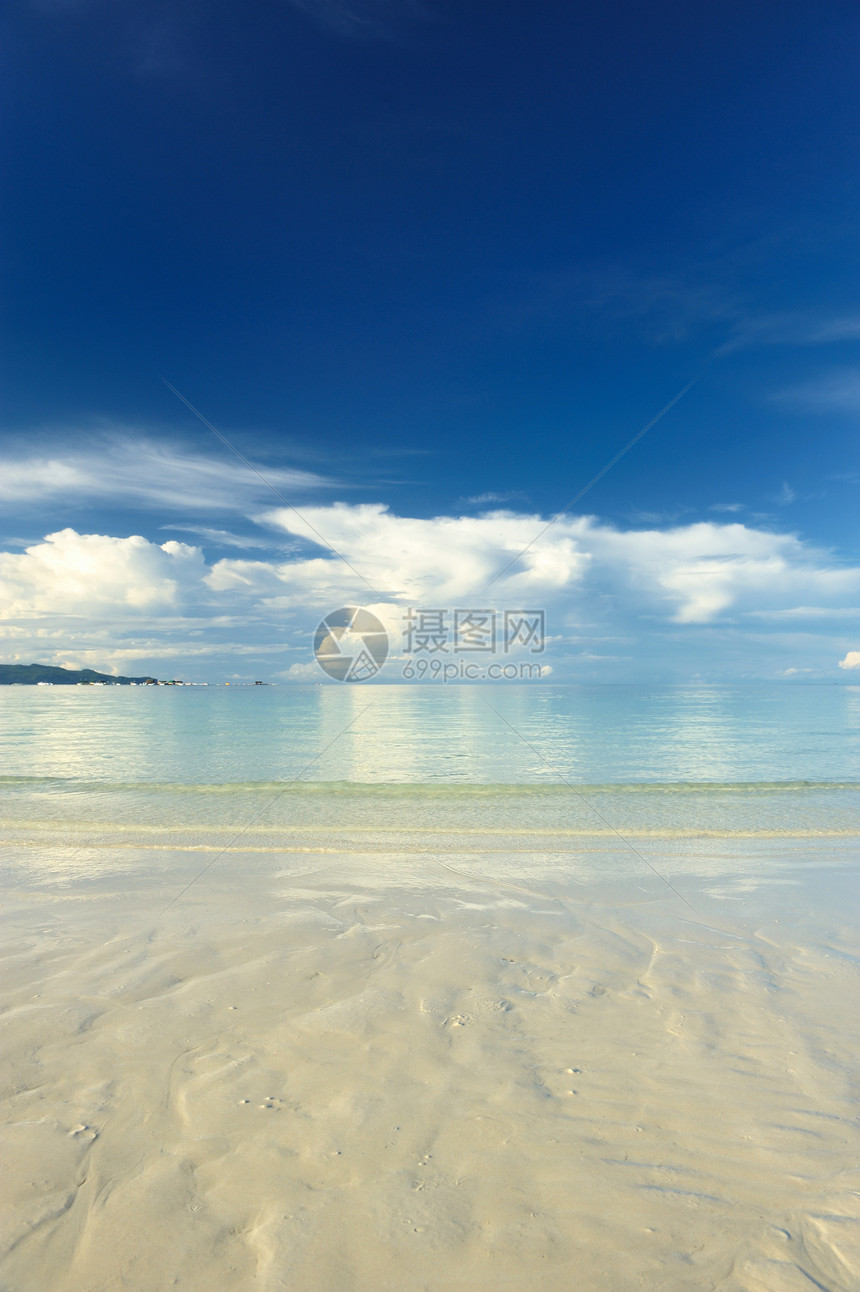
x=412 y=735
x=559 y=769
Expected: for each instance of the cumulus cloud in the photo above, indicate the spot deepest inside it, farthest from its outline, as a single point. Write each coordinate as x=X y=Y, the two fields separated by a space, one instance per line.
x=71 y=573
x=687 y=574
x=120 y=604
x=131 y=599
x=442 y=558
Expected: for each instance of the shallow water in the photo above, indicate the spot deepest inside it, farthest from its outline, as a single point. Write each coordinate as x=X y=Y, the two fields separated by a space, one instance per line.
x=419 y=734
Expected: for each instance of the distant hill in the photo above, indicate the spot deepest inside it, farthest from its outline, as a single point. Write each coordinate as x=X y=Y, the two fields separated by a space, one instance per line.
x=30 y=674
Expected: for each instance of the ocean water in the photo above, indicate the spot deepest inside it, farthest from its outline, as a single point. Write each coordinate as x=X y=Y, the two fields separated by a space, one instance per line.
x=415 y=735
x=525 y=763
x=620 y=780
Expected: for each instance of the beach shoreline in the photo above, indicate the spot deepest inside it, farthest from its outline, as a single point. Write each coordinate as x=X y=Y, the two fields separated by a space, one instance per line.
x=373 y=1069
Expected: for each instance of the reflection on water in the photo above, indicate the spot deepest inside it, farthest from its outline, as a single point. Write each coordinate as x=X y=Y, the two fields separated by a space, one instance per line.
x=569 y=774
x=454 y=735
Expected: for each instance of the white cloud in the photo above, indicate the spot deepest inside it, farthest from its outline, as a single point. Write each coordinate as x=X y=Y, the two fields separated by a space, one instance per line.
x=221 y=537
x=86 y=574
x=127 y=600
x=132 y=471
x=808 y=612
x=444 y=558
x=309 y=671
x=484 y=499
x=687 y=574
x=851 y=660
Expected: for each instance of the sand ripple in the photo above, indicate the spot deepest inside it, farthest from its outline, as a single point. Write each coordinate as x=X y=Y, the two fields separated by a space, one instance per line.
x=315 y=1079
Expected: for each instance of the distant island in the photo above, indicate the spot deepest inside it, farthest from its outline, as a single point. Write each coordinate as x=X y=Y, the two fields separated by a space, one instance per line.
x=33 y=674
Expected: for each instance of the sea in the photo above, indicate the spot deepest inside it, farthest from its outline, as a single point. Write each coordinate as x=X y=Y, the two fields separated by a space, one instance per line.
x=743 y=778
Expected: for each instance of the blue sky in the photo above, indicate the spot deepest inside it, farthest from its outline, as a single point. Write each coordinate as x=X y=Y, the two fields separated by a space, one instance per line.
x=429 y=266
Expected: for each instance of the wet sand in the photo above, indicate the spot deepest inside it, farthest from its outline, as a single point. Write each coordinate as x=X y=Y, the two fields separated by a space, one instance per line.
x=329 y=1069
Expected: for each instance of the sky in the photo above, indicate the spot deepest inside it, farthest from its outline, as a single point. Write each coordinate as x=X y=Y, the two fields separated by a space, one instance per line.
x=424 y=269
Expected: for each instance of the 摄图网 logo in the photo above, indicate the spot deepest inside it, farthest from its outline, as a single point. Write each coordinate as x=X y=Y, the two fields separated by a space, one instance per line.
x=350 y=644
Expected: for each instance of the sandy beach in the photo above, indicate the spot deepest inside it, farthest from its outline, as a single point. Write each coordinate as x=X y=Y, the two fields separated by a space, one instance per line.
x=470 y=1068
x=430 y=646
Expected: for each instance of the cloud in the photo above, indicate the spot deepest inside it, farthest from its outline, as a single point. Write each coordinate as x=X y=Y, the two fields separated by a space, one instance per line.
x=790 y=328
x=846 y=328
x=786 y=495
x=123 y=604
x=702 y=572
x=643 y=516
x=482 y=499
x=134 y=471
x=835 y=392
x=222 y=537
x=132 y=602
x=309 y=671
x=688 y=574
x=851 y=660
x=808 y=612
x=442 y=558
x=89 y=574
x=670 y=308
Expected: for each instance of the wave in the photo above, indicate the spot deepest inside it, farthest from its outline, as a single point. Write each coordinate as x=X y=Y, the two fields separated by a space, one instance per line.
x=111 y=831
x=427 y=789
